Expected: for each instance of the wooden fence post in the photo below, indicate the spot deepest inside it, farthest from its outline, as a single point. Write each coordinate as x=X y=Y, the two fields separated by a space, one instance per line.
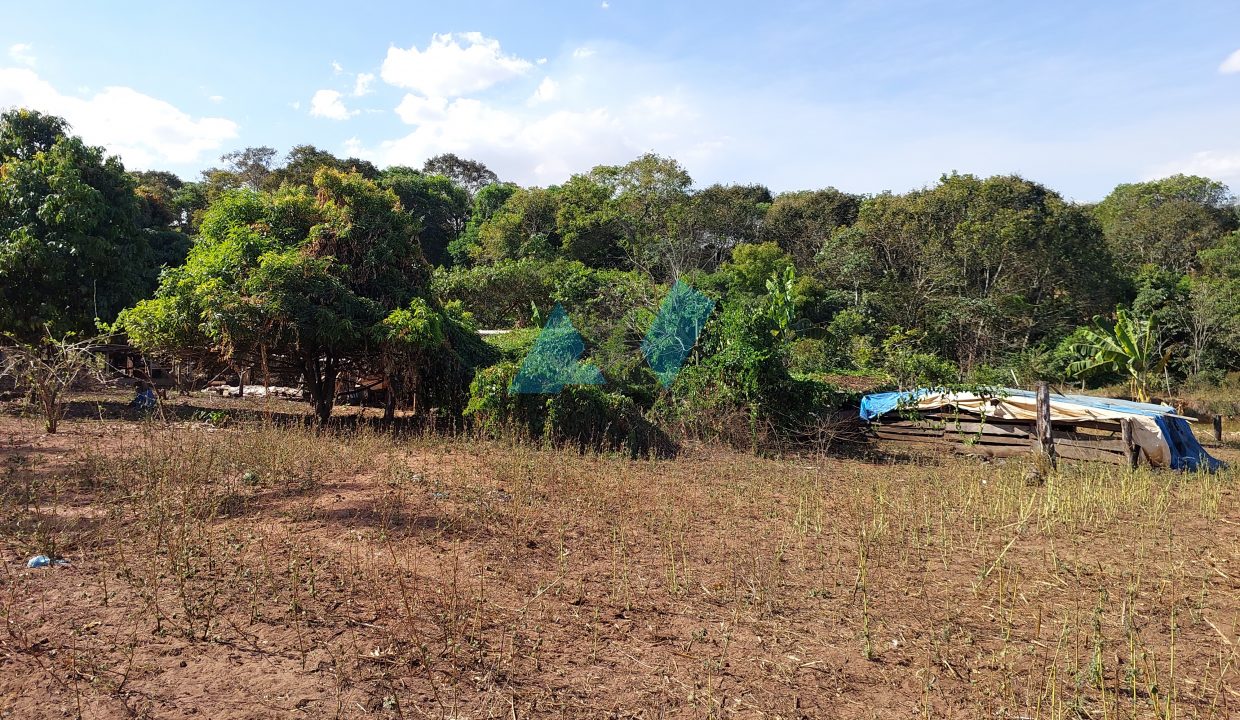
x=1218 y=429
x=1046 y=443
x=1134 y=452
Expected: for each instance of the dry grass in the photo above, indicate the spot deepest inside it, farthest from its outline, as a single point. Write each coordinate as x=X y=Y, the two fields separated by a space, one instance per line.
x=261 y=571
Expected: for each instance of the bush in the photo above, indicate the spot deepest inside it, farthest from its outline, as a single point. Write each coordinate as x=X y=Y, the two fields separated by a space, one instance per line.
x=588 y=416
x=738 y=389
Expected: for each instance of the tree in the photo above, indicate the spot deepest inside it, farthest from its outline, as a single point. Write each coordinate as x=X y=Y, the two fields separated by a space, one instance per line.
x=303 y=161
x=1129 y=347
x=486 y=203
x=70 y=247
x=250 y=166
x=1166 y=222
x=650 y=197
x=752 y=265
x=1216 y=306
x=524 y=226
x=588 y=222
x=469 y=174
x=321 y=283
x=802 y=222
x=440 y=206
x=160 y=218
x=725 y=216
x=984 y=267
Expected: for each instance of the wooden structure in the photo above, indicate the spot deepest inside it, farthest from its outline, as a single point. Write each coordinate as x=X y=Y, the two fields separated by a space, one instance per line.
x=1108 y=441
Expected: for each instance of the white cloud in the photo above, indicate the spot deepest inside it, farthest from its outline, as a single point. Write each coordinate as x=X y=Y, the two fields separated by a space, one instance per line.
x=604 y=4
x=216 y=98
x=336 y=67
x=1231 y=64
x=296 y=104
x=535 y=146
x=362 y=86
x=143 y=130
x=541 y=61
x=547 y=91
x=583 y=52
x=1214 y=164
x=22 y=53
x=327 y=104
x=452 y=65
x=417 y=110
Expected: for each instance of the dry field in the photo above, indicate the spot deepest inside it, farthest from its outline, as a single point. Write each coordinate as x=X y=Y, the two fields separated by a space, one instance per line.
x=257 y=569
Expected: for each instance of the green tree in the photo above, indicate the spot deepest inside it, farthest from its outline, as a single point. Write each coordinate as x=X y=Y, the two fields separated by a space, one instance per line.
x=440 y=206
x=588 y=222
x=725 y=216
x=1166 y=222
x=469 y=174
x=321 y=283
x=251 y=166
x=160 y=218
x=983 y=267
x=651 y=197
x=524 y=226
x=802 y=222
x=303 y=161
x=71 y=250
x=485 y=204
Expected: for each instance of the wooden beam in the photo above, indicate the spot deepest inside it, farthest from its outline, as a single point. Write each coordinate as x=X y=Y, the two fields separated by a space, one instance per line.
x=1072 y=452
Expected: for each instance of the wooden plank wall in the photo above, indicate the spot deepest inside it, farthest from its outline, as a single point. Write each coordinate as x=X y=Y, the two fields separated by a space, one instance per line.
x=1108 y=442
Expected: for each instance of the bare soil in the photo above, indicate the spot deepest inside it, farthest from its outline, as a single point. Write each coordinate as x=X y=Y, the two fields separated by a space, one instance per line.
x=227 y=561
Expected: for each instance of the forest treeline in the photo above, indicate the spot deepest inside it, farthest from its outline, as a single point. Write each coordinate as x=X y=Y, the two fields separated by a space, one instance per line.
x=323 y=267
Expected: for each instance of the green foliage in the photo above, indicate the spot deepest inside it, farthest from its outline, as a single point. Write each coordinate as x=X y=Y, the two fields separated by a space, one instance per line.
x=440 y=206
x=739 y=389
x=471 y=175
x=524 y=226
x=910 y=368
x=1129 y=346
x=588 y=222
x=802 y=222
x=726 y=216
x=983 y=267
x=71 y=249
x=322 y=284
x=1166 y=222
x=487 y=201
x=781 y=303
x=753 y=265
x=588 y=416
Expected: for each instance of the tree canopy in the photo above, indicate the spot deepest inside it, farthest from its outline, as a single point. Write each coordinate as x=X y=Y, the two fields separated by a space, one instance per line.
x=71 y=249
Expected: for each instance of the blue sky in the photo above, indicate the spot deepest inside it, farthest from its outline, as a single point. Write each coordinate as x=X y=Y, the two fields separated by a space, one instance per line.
x=865 y=96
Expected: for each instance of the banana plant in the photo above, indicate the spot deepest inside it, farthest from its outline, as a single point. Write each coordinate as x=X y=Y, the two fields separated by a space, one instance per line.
x=1129 y=346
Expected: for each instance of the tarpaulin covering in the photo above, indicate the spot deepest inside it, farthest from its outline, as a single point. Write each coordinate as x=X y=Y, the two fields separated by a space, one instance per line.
x=1165 y=439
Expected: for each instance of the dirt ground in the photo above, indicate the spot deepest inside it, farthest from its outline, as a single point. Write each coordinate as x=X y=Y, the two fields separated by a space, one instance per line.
x=226 y=561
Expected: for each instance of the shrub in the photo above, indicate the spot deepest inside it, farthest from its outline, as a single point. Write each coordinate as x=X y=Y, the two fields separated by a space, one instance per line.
x=588 y=416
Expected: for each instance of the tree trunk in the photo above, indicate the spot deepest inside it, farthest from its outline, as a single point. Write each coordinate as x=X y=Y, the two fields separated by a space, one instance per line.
x=389 y=405
x=321 y=382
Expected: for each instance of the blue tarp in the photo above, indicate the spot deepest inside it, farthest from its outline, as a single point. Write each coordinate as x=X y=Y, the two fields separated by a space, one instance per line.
x=1186 y=451
x=878 y=404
